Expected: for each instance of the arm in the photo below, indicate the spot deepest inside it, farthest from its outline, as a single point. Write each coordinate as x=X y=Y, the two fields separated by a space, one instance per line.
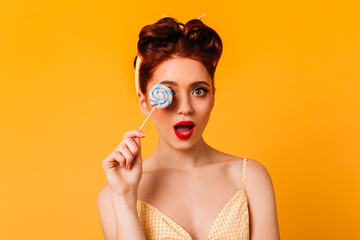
x=116 y=201
x=118 y=216
x=262 y=204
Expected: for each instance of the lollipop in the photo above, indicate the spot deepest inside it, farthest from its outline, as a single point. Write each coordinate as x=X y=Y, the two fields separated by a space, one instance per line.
x=160 y=97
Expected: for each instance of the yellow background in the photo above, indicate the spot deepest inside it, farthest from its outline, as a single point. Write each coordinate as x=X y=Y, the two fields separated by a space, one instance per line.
x=288 y=87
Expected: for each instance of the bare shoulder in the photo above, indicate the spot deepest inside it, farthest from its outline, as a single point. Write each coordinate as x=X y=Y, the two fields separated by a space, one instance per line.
x=256 y=172
x=262 y=203
x=258 y=180
x=106 y=212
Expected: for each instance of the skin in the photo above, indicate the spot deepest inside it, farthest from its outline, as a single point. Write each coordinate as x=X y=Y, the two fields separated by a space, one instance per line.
x=193 y=185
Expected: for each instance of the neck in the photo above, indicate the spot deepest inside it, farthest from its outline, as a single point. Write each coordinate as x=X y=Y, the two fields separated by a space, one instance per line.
x=167 y=157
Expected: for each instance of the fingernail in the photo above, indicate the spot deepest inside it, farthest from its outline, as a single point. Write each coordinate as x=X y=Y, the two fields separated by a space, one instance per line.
x=143 y=134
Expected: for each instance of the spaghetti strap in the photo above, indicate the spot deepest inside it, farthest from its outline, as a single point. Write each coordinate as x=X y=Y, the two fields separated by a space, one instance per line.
x=243 y=173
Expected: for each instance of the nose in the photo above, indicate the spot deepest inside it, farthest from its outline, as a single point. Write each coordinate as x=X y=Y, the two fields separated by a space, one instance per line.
x=184 y=105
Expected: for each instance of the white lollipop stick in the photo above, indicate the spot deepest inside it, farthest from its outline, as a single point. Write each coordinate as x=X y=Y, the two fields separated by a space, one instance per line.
x=147 y=118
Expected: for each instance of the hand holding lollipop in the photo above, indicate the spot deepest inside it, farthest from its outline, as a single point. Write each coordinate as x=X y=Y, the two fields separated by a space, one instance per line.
x=128 y=153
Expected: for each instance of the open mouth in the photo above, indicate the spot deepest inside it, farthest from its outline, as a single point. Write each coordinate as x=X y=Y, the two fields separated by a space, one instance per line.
x=184 y=129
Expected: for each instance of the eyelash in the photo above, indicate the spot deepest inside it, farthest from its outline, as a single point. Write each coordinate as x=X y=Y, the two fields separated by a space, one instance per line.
x=199 y=88
x=204 y=90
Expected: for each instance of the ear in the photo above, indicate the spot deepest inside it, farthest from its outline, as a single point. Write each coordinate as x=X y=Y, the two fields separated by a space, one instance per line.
x=143 y=103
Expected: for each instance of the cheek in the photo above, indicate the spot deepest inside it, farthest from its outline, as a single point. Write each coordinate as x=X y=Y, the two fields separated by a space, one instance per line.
x=204 y=109
x=209 y=103
x=160 y=117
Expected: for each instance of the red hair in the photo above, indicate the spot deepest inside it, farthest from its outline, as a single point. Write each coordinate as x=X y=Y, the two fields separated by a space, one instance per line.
x=167 y=38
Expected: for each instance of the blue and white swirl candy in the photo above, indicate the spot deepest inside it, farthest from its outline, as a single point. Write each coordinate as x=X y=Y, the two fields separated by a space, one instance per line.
x=160 y=96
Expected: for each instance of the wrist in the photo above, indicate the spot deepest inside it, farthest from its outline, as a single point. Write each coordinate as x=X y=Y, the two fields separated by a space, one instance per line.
x=129 y=199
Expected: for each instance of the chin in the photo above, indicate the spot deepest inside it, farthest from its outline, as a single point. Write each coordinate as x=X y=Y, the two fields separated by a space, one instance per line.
x=183 y=145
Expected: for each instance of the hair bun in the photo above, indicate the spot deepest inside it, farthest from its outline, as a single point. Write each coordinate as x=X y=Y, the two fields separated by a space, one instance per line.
x=198 y=33
x=203 y=38
x=159 y=36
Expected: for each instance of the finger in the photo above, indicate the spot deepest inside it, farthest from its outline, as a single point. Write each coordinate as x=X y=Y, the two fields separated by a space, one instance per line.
x=131 y=145
x=131 y=135
x=120 y=158
x=134 y=133
x=119 y=152
x=111 y=161
x=126 y=154
x=138 y=159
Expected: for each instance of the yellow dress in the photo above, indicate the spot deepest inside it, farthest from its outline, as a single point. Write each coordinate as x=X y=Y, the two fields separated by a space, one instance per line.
x=231 y=223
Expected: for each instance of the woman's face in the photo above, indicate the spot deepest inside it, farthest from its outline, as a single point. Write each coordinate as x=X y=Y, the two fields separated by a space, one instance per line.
x=182 y=124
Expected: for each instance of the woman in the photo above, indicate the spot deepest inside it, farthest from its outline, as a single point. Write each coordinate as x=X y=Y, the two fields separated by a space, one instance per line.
x=185 y=189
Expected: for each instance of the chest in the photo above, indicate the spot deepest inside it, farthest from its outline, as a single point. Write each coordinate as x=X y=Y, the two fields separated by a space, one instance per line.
x=194 y=203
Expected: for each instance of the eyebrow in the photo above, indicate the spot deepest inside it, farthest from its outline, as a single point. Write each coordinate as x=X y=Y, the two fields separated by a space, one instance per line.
x=191 y=85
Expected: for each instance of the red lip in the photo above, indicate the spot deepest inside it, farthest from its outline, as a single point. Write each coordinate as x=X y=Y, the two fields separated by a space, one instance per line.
x=183 y=134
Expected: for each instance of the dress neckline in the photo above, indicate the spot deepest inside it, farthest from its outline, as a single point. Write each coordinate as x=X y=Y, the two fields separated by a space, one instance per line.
x=180 y=229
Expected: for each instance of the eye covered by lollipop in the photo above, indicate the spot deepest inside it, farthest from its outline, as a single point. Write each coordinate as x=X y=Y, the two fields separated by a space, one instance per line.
x=160 y=97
